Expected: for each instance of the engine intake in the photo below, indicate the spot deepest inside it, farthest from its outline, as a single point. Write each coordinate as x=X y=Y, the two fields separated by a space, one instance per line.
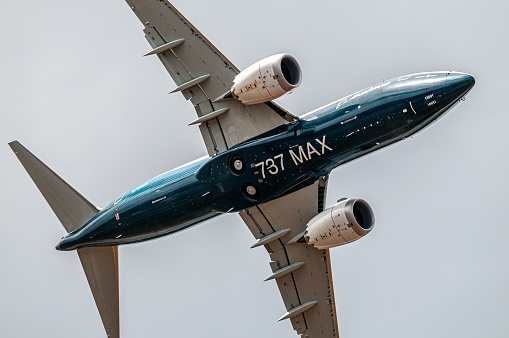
x=345 y=222
x=267 y=79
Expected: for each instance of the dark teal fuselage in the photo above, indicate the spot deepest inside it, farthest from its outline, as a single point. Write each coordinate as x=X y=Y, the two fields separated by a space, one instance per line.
x=275 y=163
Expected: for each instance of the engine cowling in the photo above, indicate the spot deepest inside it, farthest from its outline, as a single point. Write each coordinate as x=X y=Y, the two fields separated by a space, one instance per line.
x=267 y=79
x=345 y=222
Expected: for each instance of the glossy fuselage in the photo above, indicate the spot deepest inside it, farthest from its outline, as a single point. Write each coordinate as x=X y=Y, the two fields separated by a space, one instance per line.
x=277 y=162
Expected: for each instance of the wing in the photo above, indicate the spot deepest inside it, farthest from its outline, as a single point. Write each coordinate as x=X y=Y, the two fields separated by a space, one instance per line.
x=202 y=75
x=302 y=273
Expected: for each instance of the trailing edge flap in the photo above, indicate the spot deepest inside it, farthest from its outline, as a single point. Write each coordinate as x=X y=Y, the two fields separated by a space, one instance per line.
x=101 y=268
x=72 y=209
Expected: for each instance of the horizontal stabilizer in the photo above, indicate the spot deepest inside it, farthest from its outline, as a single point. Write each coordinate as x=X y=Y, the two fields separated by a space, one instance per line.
x=72 y=209
x=101 y=268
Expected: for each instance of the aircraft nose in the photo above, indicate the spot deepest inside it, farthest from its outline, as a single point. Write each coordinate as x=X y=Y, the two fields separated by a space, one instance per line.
x=467 y=80
x=456 y=86
x=464 y=82
x=470 y=79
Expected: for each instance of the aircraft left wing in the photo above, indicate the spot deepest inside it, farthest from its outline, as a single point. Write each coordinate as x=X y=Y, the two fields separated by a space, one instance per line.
x=302 y=272
x=202 y=75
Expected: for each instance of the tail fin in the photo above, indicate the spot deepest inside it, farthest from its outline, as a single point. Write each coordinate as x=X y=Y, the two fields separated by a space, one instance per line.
x=73 y=210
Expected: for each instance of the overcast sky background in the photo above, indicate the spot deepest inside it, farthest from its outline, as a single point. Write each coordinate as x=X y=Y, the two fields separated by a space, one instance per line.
x=76 y=91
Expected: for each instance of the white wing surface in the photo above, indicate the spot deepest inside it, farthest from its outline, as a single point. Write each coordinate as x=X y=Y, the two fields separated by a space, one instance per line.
x=202 y=75
x=302 y=273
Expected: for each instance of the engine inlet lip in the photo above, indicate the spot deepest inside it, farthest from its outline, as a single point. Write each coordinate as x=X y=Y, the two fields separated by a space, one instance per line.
x=354 y=206
x=293 y=67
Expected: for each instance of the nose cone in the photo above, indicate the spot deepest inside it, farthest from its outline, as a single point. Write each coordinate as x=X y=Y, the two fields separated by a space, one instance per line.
x=460 y=83
x=436 y=93
x=469 y=79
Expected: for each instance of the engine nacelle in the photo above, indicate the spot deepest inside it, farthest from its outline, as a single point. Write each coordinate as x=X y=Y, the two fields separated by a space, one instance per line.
x=344 y=222
x=267 y=79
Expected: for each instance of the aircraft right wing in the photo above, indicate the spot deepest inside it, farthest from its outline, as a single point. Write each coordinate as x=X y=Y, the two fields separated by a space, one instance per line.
x=302 y=272
x=202 y=75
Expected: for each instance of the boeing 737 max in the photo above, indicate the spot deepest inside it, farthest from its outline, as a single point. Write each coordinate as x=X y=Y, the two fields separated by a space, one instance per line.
x=263 y=162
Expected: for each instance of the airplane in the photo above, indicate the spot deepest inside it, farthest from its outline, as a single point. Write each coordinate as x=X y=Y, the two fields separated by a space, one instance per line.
x=263 y=162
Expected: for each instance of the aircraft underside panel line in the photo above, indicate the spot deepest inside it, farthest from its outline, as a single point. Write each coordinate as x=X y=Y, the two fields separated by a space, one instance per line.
x=213 y=137
x=222 y=132
x=253 y=221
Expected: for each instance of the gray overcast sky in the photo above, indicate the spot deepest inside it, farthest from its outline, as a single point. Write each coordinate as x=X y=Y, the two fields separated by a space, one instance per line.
x=75 y=90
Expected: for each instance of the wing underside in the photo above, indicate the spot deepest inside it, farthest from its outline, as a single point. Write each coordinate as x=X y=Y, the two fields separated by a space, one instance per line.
x=202 y=75
x=303 y=274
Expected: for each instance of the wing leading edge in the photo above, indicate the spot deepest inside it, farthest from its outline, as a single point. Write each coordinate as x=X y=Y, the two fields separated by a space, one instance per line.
x=202 y=75
x=303 y=274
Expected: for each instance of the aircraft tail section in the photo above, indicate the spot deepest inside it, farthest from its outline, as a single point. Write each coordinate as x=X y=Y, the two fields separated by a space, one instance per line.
x=73 y=210
x=101 y=268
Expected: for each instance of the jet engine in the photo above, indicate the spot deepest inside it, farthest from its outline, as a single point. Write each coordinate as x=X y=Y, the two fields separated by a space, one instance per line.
x=345 y=222
x=267 y=79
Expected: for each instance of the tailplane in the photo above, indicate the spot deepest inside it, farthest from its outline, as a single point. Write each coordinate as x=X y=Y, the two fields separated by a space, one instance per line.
x=73 y=210
x=101 y=268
